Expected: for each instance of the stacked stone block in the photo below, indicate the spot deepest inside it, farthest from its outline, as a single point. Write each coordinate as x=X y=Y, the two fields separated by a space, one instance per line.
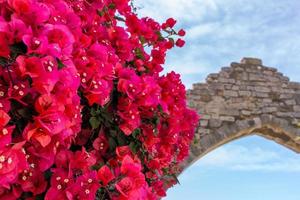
x=243 y=99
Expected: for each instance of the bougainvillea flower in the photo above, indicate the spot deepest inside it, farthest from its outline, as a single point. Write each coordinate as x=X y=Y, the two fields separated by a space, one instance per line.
x=12 y=193
x=180 y=42
x=170 y=23
x=6 y=135
x=105 y=175
x=129 y=114
x=17 y=28
x=123 y=151
x=5 y=131
x=4 y=118
x=99 y=93
x=4 y=45
x=38 y=134
x=101 y=143
x=85 y=187
x=20 y=6
x=30 y=66
x=52 y=122
x=84 y=111
x=150 y=95
x=125 y=186
x=81 y=161
x=60 y=181
x=12 y=162
x=35 y=44
x=83 y=136
x=129 y=167
x=41 y=157
x=129 y=83
x=61 y=36
x=32 y=181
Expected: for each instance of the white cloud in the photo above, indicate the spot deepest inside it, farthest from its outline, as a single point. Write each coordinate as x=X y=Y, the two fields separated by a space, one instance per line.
x=240 y=158
x=222 y=31
x=182 y=10
x=187 y=63
x=201 y=30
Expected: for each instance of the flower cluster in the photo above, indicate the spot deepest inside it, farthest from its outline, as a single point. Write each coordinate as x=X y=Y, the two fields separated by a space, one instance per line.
x=84 y=111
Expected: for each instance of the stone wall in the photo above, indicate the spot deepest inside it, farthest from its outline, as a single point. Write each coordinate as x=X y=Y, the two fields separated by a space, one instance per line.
x=244 y=99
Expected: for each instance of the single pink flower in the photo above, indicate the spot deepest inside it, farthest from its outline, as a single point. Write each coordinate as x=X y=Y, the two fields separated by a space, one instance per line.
x=12 y=162
x=4 y=45
x=105 y=175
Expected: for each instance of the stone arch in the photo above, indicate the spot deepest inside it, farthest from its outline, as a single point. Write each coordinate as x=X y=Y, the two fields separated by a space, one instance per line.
x=244 y=99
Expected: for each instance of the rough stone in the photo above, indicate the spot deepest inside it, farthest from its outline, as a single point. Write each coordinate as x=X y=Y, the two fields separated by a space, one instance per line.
x=203 y=123
x=235 y=87
x=261 y=94
x=232 y=111
x=269 y=109
x=262 y=89
x=256 y=77
x=230 y=93
x=251 y=61
x=215 y=123
x=227 y=118
x=286 y=96
x=244 y=99
x=246 y=112
x=204 y=131
x=245 y=93
x=296 y=108
x=290 y=102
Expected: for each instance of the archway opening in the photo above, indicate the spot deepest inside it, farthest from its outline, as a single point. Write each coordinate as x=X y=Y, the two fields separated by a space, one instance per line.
x=247 y=168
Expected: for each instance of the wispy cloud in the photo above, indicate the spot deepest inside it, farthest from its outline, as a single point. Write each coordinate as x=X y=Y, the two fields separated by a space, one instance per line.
x=222 y=31
x=184 y=11
x=240 y=158
x=202 y=30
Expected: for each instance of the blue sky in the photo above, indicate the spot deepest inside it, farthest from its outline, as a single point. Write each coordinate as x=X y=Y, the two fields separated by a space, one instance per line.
x=218 y=33
x=222 y=31
x=251 y=168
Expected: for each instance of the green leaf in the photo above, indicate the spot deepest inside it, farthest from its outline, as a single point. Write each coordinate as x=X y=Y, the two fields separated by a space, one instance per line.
x=156 y=120
x=112 y=144
x=134 y=147
x=47 y=174
x=97 y=166
x=176 y=179
x=160 y=109
x=100 y=13
x=95 y=123
x=40 y=197
x=136 y=133
x=25 y=113
x=60 y=64
x=111 y=6
x=143 y=40
x=195 y=141
x=155 y=132
x=172 y=40
x=119 y=18
x=93 y=112
x=3 y=61
x=160 y=37
x=107 y=117
x=18 y=49
x=113 y=133
x=139 y=53
x=121 y=140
